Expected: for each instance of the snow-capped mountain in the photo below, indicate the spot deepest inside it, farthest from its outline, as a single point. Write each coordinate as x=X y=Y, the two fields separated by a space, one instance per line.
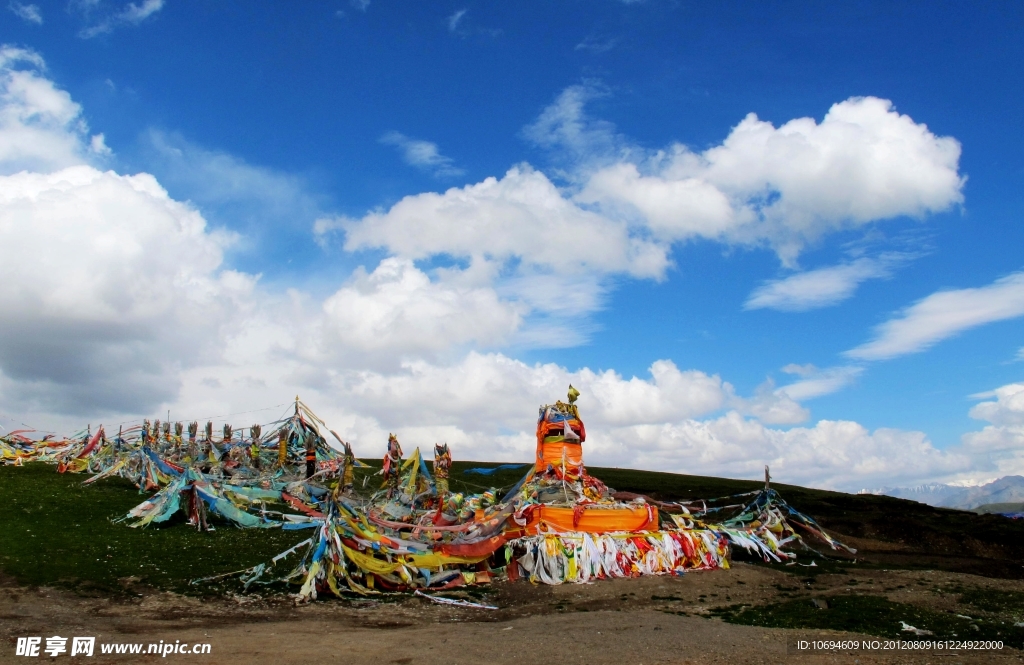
x=1008 y=489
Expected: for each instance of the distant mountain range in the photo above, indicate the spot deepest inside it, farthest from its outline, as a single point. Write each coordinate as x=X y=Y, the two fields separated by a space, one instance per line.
x=1008 y=489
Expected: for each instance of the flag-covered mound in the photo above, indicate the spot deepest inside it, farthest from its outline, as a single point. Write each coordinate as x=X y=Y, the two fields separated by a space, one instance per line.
x=408 y=531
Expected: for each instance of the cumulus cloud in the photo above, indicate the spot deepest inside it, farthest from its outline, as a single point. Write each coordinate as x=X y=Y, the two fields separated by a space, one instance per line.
x=517 y=235
x=28 y=13
x=521 y=217
x=132 y=14
x=1007 y=409
x=422 y=154
x=41 y=128
x=788 y=186
x=108 y=287
x=772 y=406
x=490 y=391
x=397 y=310
x=1001 y=442
x=821 y=287
x=831 y=454
x=942 y=315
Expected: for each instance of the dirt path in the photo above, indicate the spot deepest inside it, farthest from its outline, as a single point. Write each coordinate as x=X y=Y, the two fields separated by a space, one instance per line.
x=632 y=622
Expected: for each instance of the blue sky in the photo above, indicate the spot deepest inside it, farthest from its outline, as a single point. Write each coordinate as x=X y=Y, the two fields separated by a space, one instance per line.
x=805 y=270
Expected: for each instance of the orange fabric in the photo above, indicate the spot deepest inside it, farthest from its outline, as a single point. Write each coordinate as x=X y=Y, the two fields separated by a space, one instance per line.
x=546 y=429
x=480 y=548
x=594 y=520
x=551 y=453
x=298 y=505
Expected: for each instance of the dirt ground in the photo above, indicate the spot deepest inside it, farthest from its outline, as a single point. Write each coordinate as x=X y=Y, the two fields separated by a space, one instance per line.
x=635 y=621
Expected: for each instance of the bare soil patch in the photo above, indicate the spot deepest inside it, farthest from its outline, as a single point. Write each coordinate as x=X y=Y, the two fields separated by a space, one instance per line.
x=645 y=620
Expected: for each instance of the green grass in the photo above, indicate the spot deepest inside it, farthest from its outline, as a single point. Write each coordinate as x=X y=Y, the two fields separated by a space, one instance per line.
x=992 y=600
x=872 y=615
x=54 y=530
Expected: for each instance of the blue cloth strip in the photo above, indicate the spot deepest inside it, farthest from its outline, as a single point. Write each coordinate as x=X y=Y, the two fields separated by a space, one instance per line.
x=483 y=471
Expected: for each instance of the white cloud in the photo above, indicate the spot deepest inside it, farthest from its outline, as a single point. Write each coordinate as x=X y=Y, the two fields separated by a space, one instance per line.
x=422 y=154
x=29 y=13
x=787 y=186
x=361 y=5
x=98 y=145
x=396 y=310
x=800 y=370
x=594 y=44
x=669 y=395
x=520 y=217
x=581 y=142
x=517 y=235
x=772 y=406
x=942 y=315
x=132 y=14
x=483 y=393
x=1002 y=442
x=40 y=126
x=108 y=287
x=818 y=382
x=483 y=403
x=1008 y=409
x=135 y=14
x=821 y=287
x=455 y=19
x=832 y=454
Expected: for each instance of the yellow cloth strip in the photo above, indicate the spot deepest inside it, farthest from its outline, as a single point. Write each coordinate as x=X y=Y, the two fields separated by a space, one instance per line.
x=438 y=560
x=367 y=562
x=375 y=565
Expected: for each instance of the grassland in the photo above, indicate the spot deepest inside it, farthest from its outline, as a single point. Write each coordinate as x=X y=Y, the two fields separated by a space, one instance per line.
x=55 y=531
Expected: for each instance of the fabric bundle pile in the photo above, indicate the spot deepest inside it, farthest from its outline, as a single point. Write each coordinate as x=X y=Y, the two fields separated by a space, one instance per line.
x=558 y=524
